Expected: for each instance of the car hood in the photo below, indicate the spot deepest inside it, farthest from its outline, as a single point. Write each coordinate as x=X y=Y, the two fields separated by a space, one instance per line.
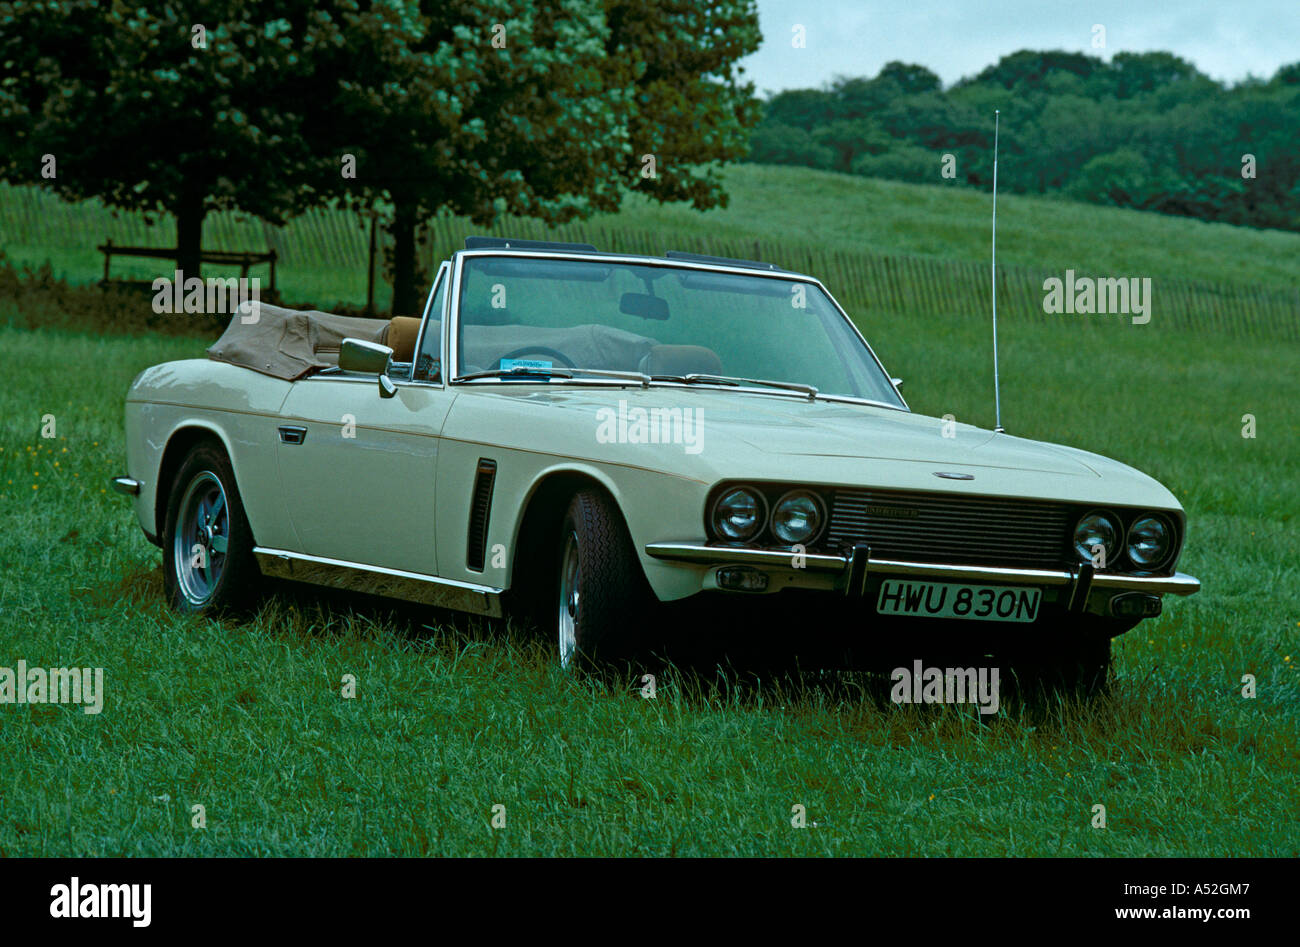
x=760 y=436
x=838 y=430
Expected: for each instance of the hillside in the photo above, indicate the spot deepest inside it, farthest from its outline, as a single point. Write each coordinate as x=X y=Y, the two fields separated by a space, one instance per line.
x=950 y=221
x=790 y=212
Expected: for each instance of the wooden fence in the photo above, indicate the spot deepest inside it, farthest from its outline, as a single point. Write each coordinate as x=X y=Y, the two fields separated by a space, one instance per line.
x=865 y=283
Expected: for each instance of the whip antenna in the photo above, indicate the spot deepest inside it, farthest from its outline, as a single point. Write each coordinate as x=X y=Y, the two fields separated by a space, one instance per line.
x=997 y=397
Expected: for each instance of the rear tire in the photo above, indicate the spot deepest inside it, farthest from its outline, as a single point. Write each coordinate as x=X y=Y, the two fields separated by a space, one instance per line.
x=601 y=598
x=208 y=562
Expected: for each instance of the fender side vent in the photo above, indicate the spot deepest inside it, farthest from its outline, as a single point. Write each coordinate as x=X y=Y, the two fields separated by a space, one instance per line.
x=480 y=506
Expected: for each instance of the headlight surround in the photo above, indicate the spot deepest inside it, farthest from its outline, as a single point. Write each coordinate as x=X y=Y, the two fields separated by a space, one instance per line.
x=1097 y=528
x=738 y=514
x=1150 y=540
x=797 y=517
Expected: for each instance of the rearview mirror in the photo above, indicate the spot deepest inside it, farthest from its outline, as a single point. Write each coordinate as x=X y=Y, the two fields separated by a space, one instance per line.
x=643 y=305
x=358 y=355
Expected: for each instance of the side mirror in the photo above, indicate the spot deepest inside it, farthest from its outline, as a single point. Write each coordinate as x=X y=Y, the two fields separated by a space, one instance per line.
x=898 y=382
x=358 y=355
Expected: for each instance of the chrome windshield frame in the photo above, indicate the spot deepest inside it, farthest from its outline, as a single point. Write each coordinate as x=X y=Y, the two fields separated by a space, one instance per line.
x=443 y=271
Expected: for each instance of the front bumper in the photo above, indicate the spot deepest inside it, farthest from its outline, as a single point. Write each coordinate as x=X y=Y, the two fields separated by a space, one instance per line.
x=1078 y=589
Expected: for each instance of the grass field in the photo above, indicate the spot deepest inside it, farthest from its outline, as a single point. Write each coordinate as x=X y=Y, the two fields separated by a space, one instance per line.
x=452 y=718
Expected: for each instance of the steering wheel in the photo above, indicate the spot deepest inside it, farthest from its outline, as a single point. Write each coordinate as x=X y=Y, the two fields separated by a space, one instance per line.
x=539 y=350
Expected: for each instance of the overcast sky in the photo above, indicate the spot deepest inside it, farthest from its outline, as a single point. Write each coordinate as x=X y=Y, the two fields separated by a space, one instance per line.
x=1227 y=39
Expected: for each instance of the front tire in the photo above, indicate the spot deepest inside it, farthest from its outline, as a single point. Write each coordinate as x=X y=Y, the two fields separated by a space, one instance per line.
x=1076 y=665
x=602 y=595
x=208 y=563
x=1083 y=668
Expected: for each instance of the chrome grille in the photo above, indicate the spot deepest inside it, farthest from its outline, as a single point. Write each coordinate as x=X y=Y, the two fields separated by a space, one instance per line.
x=938 y=527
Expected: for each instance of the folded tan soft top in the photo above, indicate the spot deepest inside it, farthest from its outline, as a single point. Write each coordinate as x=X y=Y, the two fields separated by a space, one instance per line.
x=291 y=343
x=294 y=343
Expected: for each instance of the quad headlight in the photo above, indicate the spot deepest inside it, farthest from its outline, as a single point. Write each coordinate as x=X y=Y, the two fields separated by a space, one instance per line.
x=1149 y=541
x=739 y=514
x=797 y=517
x=1094 y=529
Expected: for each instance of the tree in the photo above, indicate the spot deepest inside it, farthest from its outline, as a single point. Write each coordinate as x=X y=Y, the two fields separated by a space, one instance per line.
x=1287 y=75
x=415 y=106
x=911 y=78
x=800 y=108
x=552 y=114
x=1029 y=68
x=149 y=110
x=1121 y=177
x=863 y=98
x=1138 y=73
x=904 y=163
x=848 y=140
x=786 y=144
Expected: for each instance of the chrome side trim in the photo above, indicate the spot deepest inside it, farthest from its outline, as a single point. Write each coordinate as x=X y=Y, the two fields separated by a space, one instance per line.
x=742 y=555
x=1179 y=584
x=126 y=486
x=376 y=580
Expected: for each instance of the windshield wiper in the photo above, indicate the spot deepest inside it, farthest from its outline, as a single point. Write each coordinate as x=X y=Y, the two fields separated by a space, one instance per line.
x=640 y=378
x=697 y=379
x=516 y=371
x=534 y=371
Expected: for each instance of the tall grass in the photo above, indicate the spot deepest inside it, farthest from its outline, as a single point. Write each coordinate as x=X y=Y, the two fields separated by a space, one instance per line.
x=454 y=717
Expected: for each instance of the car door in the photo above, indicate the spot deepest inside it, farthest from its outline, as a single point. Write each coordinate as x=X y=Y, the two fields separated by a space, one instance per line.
x=357 y=471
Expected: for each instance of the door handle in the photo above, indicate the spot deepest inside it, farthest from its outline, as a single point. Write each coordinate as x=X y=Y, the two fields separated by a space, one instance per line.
x=292 y=434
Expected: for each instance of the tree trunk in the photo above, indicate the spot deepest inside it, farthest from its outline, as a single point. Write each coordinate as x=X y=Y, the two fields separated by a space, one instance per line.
x=189 y=235
x=405 y=291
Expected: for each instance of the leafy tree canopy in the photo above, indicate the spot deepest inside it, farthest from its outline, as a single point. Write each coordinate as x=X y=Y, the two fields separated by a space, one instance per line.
x=414 y=106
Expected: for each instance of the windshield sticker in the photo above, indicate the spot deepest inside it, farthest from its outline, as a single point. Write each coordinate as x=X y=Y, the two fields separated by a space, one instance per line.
x=509 y=363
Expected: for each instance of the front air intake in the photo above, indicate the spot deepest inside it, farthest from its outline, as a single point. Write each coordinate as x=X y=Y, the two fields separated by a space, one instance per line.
x=480 y=506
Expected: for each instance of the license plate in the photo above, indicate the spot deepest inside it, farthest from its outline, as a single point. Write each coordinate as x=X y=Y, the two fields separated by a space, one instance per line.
x=946 y=600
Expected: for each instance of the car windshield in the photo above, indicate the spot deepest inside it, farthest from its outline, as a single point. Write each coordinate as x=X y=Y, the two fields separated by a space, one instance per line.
x=529 y=316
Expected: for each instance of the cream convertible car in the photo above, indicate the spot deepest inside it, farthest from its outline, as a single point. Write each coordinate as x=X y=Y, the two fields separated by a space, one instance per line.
x=580 y=434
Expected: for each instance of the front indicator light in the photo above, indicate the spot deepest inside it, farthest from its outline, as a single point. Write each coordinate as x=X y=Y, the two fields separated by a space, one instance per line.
x=1135 y=605
x=742 y=579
